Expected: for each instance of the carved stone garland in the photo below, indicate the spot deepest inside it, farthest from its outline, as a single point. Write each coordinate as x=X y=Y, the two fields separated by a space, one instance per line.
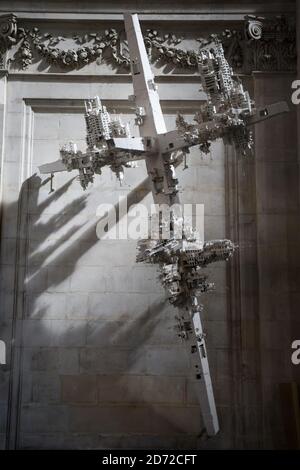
x=275 y=50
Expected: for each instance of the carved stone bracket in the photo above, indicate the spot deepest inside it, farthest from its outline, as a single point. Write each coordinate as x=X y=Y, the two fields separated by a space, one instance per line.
x=266 y=45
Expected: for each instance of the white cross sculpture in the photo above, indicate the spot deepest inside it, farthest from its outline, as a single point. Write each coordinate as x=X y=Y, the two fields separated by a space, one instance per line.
x=227 y=114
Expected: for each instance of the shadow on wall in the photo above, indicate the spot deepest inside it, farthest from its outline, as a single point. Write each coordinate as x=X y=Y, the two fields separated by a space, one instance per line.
x=69 y=257
x=75 y=371
x=54 y=369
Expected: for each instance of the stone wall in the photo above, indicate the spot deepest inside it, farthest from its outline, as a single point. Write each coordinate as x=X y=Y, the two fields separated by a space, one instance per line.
x=93 y=357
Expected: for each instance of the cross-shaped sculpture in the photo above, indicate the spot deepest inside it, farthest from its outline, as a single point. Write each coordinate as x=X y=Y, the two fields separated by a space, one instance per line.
x=227 y=114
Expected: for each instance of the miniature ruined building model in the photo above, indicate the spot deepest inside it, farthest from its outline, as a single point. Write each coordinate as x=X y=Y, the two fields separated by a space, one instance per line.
x=227 y=113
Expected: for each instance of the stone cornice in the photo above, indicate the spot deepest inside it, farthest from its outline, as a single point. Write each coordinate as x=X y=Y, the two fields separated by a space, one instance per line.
x=200 y=18
x=155 y=7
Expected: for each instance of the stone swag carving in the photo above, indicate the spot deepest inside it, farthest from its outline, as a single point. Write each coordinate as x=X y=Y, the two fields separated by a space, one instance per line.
x=275 y=51
x=8 y=35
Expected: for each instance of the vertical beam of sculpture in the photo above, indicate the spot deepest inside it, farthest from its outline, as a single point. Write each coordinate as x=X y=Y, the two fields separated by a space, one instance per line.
x=146 y=95
x=152 y=124
x=148 y=110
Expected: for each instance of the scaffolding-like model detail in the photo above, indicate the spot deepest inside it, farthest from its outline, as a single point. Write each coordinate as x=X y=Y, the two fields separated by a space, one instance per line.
x=97 y=122
x=182 y=262
x=103 y=133
x=99 y=125
x=228 y=108
x=227 y=114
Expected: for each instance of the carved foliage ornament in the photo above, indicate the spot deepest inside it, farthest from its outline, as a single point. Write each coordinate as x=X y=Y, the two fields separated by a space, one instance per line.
x=275 y=51
x=8 y=33
x=261 y=45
